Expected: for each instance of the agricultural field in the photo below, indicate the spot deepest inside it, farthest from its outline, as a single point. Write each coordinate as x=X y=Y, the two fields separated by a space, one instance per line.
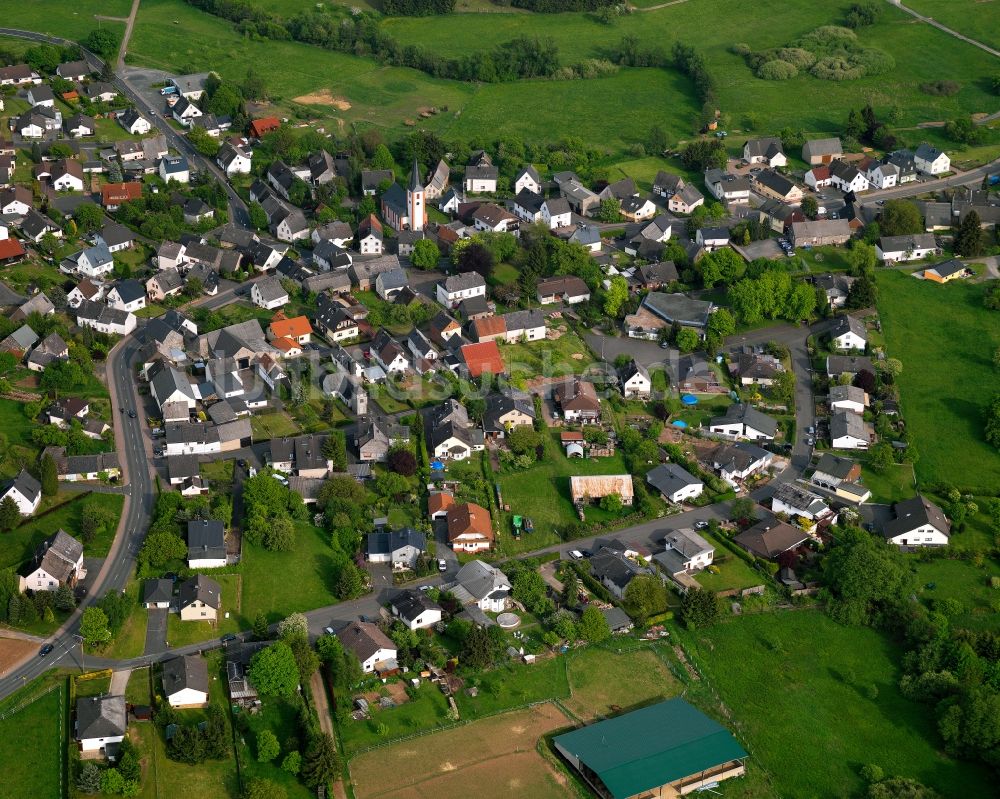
x=281 y=583
x=32 y=752
x=947 y=380
x=839 y=686
x=490 y=758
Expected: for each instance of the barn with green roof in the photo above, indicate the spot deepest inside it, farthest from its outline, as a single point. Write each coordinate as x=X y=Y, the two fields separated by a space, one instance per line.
x=665 y=750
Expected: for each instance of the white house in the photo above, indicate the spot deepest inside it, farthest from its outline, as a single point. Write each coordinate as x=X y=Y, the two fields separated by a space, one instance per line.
x=402 y=548
x=234 y=160
x=127 y=295
x=105 y=319
x=848 y=333
x=930 y=160
x=134 y=122
x=415 y=609
x=26 y=492
x=891 y=249
x=712 y=238
x=206 y=540
x=693 y=552
x=368 y=644
x=482 y=585
x=100 y=722
x=742 y=420
x=796 y=501
x=460 y=287
x=93 y=262
x=847 y=177
x=175 y=167
x=41 y=95
x=765 y=151
x=528 y=179
x=268 y=293
x=556 y=212
x=847 y=398
x=61 y=563
x=849 y=430
x=918 y=522
x=737 y=461
x=674 y=483
x=184 y=111
x=882 y=176
x=635 y=381
x=185 y=681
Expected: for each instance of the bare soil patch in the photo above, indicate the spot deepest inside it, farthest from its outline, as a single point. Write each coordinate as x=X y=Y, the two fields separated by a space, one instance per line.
x=323 y=98
x=12 y=650
x=486 y=759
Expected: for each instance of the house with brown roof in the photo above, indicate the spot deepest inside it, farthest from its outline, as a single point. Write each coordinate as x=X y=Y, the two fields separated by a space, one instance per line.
x=59 y=562
x=577 y=399
x=489 y=328
x=481 y=358
x=770 y=538
x=438 y=504
x=470 y=528
x=373 y=648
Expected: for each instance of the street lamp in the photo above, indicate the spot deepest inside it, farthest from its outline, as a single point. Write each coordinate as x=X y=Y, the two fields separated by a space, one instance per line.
x=82 y=664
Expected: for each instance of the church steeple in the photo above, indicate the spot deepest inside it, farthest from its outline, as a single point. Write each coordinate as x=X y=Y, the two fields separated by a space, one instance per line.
x=415 y=199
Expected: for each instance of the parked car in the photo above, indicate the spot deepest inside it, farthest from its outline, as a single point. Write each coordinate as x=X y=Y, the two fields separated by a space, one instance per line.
x=700 y=525
x=228 y=637
x=328 y=630
x=442 y=565
x=576 y=554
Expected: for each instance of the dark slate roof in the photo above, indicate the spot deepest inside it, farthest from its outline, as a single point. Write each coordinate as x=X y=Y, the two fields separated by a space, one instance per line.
x=100 y=717
x=157 y=591
x=385 y=543
x=915 y=512
x=206 y=539
x=201 y=588
x=750 y=416
x=669 y=477
x=410 y=604
x=187 y=671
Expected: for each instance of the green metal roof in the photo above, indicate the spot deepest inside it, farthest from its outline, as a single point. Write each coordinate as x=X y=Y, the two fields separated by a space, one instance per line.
x=651 y=747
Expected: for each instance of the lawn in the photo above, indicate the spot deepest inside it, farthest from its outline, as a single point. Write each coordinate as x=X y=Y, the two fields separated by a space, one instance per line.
x=20 y=543
x=280 y=583
x=602 y=681
x=947 y=380
x=566 y=355
x=814 y=701
x=181 y=633
x=504 y=274
x=892 y=486
x=131 y=638
x=734 y=572
x=164 y=777
x=428 y=708
x=16 y=428
x=281 y=718
x=980 y=20
x=966 y=582
x=543 y=493
x=272 y=425
x=32 y=752
x=138 y=689
x=514 y=685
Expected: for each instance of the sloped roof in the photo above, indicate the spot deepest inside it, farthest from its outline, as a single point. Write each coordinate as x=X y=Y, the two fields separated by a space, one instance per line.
x=187 y=671
x=769 y=538
x=100 y=717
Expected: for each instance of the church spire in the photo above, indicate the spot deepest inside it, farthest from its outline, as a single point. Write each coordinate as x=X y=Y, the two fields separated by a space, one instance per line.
x=415 y=183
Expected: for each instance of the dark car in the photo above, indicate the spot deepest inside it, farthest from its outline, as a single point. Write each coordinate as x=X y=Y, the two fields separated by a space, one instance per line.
x=45 y=650
x=241 y=463
x=131 y=414
x=229 y=637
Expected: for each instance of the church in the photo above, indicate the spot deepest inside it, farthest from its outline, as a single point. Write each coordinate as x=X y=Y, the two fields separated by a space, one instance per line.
x=404 y=209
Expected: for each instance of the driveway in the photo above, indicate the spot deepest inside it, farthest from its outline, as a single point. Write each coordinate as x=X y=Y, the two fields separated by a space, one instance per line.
x=156 y=631
x=119 y=682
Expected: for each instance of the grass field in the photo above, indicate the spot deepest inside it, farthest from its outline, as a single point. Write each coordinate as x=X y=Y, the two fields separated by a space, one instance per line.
x=543 y=493
x=495 y=757
x=272 y=425
x=734 y=572
x=815 y=701
x=20 y=543
x=947 y=380
x=979 y=19
x=427 y=709
x=72 y=21
x=566 y=355
x=182 y=633
x=600 y=681
x=894 y=485
x=966 y=582
x=31 y=746
x=280 y=583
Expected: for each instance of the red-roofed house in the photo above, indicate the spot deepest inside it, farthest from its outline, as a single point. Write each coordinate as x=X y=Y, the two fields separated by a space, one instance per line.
x=489 y=328
x=265 y=125
x=10 y=251
x=438 y=503
x=819 y=177
x=297 y=328
x=482 y=357
x=114 y=194
x=289 y=347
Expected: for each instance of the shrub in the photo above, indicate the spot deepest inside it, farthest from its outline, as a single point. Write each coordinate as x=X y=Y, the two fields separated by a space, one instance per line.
x=741 y=48
x=777 y=70
x=836 y=68
x=941 y=88
x=796 y=55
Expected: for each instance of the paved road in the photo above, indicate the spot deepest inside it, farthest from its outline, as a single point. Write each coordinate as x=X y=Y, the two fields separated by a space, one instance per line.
x=237 y=208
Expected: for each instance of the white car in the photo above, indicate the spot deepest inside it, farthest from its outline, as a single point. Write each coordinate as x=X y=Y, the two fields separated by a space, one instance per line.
x=576 y=554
